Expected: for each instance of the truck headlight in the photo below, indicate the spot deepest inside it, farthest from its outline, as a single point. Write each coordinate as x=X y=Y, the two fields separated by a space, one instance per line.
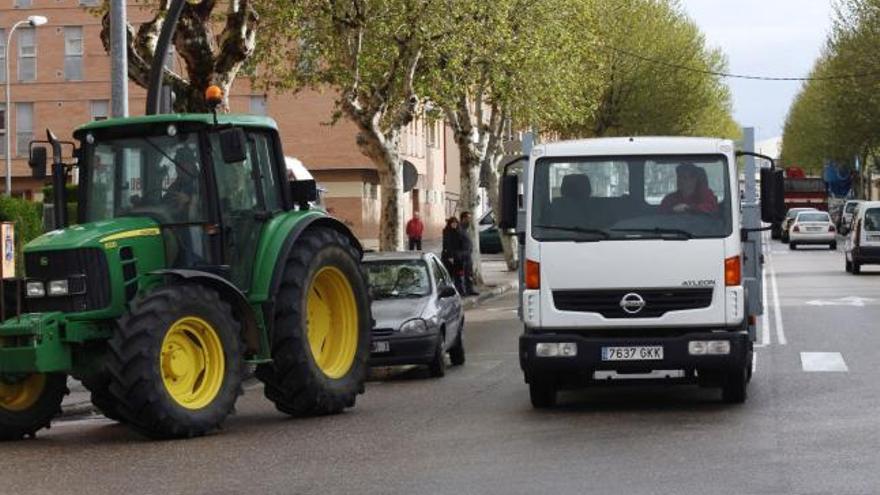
x=58 y=287
x=710 y=347
x=35 y=289
x=556 y=349
x=414 y=326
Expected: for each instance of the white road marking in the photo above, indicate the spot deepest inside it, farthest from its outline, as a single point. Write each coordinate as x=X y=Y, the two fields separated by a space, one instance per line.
x=855 y=301
x=823 y=361
x=777 y=312
x=765 y=318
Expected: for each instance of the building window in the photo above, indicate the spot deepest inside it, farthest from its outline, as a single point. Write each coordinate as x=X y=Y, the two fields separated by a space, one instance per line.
x=100 y=109
x=24 y=127
x=2 y=55
x=432 y=134
x=258 y=105
x=27 y=55
x=22 y=4
x=73 y=53
x=2 y=129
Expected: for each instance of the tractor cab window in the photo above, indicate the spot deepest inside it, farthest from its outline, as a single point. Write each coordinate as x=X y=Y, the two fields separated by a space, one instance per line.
x=156 y=176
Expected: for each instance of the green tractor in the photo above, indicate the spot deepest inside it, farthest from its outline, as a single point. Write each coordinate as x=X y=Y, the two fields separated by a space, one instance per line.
x=193 y=259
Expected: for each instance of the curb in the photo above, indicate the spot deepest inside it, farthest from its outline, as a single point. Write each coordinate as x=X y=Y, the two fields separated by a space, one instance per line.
x=496 y=291
x=85 y=407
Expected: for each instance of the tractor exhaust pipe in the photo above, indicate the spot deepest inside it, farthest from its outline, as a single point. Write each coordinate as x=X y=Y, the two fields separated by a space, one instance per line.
x=59 y=182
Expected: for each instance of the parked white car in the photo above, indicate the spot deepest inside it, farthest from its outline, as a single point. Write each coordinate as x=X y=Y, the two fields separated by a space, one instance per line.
x=846 y=215
x=812 y=227
x=863 y=242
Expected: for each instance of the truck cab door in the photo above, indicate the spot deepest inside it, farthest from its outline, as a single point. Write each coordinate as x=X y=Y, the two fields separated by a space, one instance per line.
x=248 y=193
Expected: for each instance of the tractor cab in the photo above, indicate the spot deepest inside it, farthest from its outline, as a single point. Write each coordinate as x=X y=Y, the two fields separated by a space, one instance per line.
x=208 y=188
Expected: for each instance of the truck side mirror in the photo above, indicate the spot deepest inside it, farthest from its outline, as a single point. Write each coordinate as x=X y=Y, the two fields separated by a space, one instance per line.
x=508 y=198
x=772 y=195
x=233 y=145
x=303 y=191
x=37 y=161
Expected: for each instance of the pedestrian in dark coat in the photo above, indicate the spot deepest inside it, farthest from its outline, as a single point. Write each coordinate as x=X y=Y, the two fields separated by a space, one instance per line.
x=451 y=250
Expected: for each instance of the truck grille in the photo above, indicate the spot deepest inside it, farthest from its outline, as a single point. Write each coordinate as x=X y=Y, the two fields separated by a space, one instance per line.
x=607 y=302
x=88 y=279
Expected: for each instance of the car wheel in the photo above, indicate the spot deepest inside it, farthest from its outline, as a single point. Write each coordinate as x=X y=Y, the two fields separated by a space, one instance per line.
x=437 y=366
x=792 y=246
x=848 y=266
x=833 y=246
x=456 y=353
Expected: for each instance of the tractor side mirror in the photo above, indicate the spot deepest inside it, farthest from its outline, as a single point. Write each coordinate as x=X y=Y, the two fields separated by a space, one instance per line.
x=772 y=195
x=509 y=196
x=303 y=191
x=37 y=161
x=233 y=145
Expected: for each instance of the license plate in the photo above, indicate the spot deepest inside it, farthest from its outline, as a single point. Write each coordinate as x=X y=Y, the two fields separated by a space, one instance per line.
x=633 y=353
x=814 y=229
x=381 y=346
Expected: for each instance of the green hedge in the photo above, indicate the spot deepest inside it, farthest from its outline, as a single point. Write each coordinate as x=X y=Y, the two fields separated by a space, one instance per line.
x=49 y=192
x=28 y=220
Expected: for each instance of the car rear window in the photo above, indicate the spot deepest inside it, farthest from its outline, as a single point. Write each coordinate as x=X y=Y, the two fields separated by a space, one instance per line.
x=813 y=217
x=850 y=207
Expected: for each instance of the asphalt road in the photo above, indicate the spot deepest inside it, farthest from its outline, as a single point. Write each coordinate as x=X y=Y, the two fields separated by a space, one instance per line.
x=810 y=426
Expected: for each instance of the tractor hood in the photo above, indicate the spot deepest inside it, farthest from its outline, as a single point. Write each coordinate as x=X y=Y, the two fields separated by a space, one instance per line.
x=95 y=234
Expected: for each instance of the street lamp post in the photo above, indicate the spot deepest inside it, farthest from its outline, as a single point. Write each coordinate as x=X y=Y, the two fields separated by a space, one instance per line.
x=33 y=21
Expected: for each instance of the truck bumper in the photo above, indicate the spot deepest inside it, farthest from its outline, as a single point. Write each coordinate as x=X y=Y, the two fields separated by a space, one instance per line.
x=579 y=369
x=33 y=343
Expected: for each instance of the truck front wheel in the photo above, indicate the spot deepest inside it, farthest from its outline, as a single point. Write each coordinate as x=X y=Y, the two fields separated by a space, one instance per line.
x=735 y=385
x=542 y=393
x=28 y=403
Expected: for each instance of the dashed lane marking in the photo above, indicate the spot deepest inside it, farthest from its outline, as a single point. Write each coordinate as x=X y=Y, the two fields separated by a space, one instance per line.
x=823 y=361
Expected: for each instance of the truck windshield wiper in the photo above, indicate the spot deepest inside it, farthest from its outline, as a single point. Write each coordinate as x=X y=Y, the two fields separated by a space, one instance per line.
x=660 y=231
x=581 y=230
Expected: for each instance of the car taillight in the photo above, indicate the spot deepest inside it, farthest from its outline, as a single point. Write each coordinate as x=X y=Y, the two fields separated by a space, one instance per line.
x=796 y=229
x=831 y=228
x=533 y=274
x=733 y=271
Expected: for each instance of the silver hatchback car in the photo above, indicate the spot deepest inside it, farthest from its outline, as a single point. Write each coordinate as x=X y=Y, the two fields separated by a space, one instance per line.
x=418 y=312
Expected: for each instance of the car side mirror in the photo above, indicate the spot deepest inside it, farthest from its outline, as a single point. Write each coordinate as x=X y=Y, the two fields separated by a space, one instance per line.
x=447 y=291
x=37 y=161
x=233 y=145
x=303 y=191
x=509 y=205
x=772 y=195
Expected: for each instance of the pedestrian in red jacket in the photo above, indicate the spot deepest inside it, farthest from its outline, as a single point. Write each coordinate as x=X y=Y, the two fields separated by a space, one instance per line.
x=414 y=230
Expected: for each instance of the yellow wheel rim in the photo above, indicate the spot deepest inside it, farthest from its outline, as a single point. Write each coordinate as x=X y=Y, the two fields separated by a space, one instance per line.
x=332 y=322
x=192 y=362
x=22 y=395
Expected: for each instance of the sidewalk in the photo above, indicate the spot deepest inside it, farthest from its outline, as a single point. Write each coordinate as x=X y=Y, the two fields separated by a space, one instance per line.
x=497 y=282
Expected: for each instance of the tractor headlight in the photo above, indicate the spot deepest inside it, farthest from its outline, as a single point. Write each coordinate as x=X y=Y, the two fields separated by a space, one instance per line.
x=58 y=288
x=35 y=289
x=414 y=326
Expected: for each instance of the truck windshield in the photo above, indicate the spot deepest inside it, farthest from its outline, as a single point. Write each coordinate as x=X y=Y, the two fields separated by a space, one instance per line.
x=156 y=176
x=631 y=197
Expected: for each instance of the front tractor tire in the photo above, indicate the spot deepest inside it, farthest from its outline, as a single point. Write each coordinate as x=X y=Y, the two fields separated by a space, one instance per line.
x=321 y=335
x=175 y=362
x=28 y=403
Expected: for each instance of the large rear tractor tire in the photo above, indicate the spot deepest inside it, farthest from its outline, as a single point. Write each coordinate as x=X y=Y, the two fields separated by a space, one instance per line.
x=321 y=336
x=175 y=362
x=28 y=403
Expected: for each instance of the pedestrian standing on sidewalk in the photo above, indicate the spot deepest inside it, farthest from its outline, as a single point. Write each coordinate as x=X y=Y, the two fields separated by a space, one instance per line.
x=450 y=252
x=414 y=230
x=466 y=255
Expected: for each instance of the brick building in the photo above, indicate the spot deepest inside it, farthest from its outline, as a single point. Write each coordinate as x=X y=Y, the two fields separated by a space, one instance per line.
x=60 y=78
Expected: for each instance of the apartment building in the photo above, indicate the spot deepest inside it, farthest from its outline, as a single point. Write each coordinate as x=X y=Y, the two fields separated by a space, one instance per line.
x=60 y=78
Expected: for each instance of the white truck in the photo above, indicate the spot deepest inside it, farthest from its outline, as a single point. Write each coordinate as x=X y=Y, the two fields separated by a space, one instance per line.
x=636 y=262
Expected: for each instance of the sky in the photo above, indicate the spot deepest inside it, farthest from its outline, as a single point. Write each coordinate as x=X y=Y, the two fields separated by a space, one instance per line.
x=779 y=38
